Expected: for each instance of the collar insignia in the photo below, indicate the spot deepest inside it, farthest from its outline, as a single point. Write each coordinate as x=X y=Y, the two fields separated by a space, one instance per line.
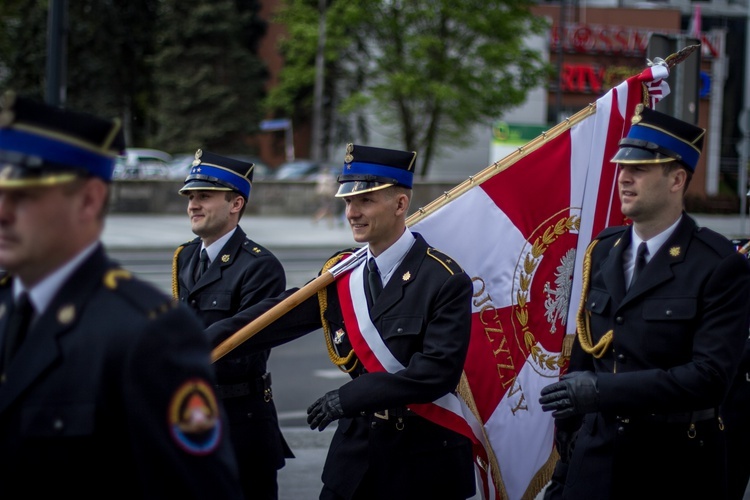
x=225 y=258
x=406 y=276
x=675 y=251
x=66 y=314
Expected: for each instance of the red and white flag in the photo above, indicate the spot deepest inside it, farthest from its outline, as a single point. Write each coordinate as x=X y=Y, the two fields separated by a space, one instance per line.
x=520 y=228
x=695 y=23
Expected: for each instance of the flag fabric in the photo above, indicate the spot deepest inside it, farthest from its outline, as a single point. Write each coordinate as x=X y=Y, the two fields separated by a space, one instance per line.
x=519 y=228
x=695 y=23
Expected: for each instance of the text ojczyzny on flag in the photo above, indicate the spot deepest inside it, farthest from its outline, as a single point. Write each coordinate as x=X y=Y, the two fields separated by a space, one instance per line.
x=519 y=229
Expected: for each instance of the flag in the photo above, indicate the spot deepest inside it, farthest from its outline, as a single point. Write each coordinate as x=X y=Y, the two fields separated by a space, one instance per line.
x=519 y=228
x=695 y=23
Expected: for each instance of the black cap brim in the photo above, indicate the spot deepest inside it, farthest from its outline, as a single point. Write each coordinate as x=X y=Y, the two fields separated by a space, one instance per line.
x=203 y=185
x=353 y=188
x=628 y=156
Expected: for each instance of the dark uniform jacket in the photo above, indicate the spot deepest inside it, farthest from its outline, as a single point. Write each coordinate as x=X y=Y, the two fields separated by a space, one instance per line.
x=424 y=317
x=108 y=394
x=243 y=274
x=736 y=414
x=678 y=335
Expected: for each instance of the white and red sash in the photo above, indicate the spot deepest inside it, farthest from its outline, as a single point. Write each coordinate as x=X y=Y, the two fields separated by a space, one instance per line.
x=449 y=411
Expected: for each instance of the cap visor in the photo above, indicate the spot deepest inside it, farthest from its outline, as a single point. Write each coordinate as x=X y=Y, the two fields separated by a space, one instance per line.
x=637 y=155
x=200 y=185
x=352 y=188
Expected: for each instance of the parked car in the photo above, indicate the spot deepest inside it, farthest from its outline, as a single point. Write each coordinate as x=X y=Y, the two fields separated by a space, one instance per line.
x=181 y=164
x=302 y=169
x=142 y=163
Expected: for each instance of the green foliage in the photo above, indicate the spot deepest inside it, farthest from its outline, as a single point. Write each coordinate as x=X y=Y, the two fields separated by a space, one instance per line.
x=186 y=74
x=105 y=71
x=181 y=75
x=23 y=28
x=208 y=80
x=432 y=68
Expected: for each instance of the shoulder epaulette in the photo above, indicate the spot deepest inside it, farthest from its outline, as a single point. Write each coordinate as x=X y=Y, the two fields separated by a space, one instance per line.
x=447 y=261
x=611 y=231
x=719 y=243
x=253 y=248
x=141 y=294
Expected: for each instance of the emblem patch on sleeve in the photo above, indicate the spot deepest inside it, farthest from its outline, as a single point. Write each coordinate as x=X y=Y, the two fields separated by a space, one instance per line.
x=194 y=417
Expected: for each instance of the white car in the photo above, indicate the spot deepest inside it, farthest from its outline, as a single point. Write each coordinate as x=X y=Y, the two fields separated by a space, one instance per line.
x=142 y=163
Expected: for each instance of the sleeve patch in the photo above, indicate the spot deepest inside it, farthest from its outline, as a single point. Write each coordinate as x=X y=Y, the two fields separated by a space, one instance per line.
x=194 y=419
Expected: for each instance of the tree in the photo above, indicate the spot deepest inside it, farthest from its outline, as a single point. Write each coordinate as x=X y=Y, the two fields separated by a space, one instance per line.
x=107 y=46
x=432 y=68
x=209 y=81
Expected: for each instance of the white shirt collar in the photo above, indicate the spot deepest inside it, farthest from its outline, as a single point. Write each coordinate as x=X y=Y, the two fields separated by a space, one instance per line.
x=214 y=248
x=390 y=259
x=655 y=243
x=43 y=292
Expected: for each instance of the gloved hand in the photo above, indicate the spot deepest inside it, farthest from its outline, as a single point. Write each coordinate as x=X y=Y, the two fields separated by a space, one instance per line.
x=325 y=410
x=575 y=394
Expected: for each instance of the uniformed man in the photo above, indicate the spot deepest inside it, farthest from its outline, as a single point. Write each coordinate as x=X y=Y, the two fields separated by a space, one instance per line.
x=105 y=383
x=217 y=274
x=662 y=326
x=735 y=412
x=398 y=323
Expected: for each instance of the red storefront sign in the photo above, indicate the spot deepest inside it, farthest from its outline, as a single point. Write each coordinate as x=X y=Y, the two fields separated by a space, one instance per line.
x=623 y=40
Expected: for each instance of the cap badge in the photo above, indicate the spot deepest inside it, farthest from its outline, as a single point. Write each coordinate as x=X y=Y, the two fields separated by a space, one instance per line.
x=349 y=156
x=197 y=160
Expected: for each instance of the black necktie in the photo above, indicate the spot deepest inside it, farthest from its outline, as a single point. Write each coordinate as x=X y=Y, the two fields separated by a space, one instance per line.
x=640 y=261
x=18 y=324
x=202 y=265
x=373 y=279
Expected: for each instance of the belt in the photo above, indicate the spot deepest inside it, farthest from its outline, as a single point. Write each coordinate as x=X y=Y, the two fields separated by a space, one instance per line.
x=395 y=416
x=689 y=417
x=259 y=385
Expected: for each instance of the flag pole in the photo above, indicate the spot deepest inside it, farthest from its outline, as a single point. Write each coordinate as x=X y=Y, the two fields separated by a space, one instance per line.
x=286 y=305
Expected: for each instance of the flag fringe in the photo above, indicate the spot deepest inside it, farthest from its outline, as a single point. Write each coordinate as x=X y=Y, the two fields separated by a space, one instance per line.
x=464 y=390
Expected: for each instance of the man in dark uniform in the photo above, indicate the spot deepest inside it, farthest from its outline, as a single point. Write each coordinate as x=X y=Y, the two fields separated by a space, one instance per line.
x=661 y=329
x=403 y=340
x=736 y=414
x=105 y=383
x=235 y=273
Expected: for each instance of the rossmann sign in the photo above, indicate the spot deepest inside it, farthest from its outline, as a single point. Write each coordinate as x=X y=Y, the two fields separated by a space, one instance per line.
x=622 y=40
x=596 y=40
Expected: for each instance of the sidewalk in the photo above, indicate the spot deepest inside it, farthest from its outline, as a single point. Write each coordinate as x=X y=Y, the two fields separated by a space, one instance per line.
x=145 y=231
